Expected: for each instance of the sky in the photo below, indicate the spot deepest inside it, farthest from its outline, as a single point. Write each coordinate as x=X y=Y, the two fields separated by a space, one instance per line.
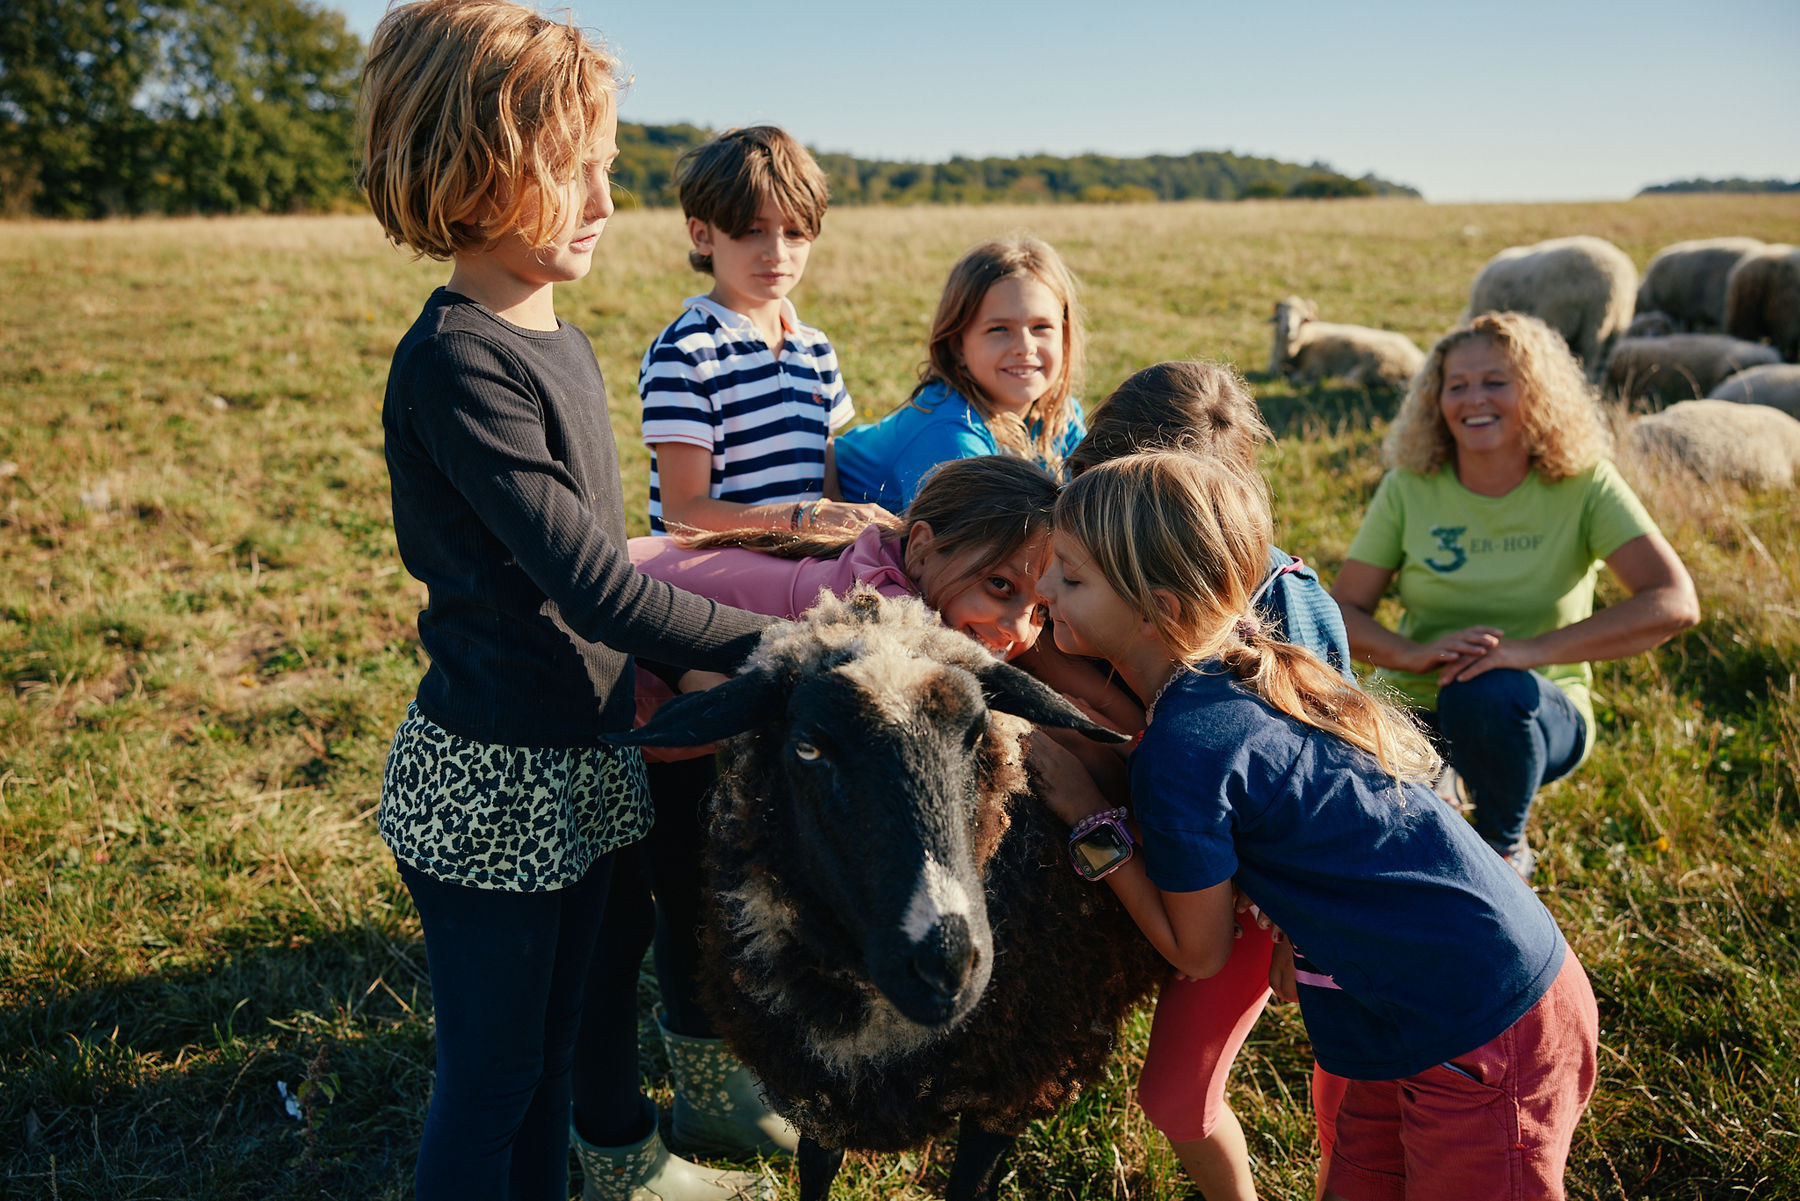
x=1467 y=101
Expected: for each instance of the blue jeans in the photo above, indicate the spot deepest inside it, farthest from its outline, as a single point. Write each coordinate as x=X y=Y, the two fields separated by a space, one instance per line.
x=1509 y=732
x=506 y=977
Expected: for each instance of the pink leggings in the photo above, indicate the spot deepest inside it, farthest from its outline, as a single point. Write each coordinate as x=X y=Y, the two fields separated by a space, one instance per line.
x=1198 y=1029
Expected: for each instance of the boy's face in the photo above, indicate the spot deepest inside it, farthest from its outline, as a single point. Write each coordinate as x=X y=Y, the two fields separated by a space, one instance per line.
x=760 y=268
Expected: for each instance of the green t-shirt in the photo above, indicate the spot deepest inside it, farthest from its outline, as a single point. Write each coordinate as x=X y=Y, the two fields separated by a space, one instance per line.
x=1524 y=562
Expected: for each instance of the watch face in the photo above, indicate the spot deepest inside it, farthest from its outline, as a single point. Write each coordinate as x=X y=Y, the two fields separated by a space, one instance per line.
x=1100 y=850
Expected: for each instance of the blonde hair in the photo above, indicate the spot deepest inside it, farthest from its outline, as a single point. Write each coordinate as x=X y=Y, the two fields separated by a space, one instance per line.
x=1184 y=541
x=1018 y=257
x=991 y=504
x=470 y=113
x=723 y=182
x=1565 y=432
x=1188 y=405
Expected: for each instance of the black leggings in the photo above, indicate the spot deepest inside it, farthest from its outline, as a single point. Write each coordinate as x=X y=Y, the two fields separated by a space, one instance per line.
x=506 y=974
x=655 y=890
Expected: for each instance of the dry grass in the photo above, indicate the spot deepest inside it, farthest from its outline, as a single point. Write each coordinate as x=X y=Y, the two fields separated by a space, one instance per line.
x=206 y=639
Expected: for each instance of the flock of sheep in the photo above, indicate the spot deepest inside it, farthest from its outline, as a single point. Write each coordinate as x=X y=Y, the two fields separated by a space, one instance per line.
x=1708 y=341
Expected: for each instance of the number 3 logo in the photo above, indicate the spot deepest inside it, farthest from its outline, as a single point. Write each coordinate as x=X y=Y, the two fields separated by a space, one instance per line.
x=1446 y=536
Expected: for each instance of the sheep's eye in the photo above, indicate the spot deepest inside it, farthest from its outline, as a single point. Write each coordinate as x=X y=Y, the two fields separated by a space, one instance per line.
x=806 y=752
x=975 y=731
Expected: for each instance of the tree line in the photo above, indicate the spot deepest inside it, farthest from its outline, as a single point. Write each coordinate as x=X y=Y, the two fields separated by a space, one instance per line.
x=648 y=153
x=1735 y=184
x=124 y=107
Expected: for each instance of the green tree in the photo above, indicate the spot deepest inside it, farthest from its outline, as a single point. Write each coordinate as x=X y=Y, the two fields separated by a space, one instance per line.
x=130 y=106
x=70 y=134
x=260 y=107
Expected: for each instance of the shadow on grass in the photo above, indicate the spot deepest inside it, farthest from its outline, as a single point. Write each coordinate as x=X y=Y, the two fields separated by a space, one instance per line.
x=1321 y=410
x=165 y=1085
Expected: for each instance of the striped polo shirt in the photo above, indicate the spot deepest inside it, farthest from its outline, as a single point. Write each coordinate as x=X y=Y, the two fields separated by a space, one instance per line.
x=710 y=380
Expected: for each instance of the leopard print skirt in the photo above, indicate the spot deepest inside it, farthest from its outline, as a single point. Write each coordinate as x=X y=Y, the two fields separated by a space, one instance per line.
x=513 y=818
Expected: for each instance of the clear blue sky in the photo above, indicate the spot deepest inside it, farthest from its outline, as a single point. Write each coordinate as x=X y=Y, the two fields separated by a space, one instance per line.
x=1531 y=100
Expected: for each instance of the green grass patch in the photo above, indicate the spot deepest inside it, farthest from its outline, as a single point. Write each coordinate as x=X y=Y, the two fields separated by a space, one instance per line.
x=206 y=639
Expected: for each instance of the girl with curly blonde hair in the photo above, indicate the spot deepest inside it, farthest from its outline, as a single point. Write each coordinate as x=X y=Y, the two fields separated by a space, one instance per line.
x=1498 y=508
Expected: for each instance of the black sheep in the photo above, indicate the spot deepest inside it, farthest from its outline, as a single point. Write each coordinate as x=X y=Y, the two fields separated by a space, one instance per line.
x=874 y=789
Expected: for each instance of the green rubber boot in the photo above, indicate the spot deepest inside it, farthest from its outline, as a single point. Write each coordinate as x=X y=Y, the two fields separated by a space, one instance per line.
x=645 y=1171
x=719 y=1109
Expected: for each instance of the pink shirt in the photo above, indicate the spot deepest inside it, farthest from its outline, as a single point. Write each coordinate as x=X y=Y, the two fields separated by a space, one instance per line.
x=761 y=583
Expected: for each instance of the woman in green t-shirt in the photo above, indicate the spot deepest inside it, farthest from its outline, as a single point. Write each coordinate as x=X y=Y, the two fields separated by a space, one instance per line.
x=1499 y=506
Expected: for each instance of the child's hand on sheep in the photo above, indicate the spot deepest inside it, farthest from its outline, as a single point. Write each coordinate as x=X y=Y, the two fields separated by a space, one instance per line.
x=1065 y=785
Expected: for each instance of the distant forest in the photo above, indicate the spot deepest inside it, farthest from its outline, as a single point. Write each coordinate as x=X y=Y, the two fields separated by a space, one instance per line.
x=1721 y=185
x=647 y=155
x=124 y=107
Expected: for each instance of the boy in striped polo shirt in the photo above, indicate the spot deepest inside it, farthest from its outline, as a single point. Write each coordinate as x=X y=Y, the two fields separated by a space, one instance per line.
x=741 y=398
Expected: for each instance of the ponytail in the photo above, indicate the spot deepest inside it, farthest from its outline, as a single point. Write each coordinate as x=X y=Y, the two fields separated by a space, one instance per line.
x=1197 y=530
x=1306 y=688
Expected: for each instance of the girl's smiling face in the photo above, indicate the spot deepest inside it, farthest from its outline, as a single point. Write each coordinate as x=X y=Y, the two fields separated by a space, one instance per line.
x=1091 y=619
x=994 y=603
x=1013 y=349
x=1480 y=400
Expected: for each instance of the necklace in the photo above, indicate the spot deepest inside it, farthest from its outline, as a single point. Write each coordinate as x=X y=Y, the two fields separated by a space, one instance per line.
x=1150 y=711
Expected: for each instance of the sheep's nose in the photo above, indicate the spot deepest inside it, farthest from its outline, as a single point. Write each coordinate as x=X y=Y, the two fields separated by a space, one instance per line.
x=944 y=961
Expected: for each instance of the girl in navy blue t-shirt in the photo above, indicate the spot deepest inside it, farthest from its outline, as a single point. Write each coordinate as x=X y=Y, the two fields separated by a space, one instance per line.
x=1428 y=973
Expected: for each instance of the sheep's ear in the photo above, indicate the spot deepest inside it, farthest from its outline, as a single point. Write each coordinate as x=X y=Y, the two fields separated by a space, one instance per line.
x=697 y=718
x=1023 y=695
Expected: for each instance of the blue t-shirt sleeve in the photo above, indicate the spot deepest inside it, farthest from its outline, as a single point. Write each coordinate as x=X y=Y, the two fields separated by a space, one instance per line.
x=1183 y=818
x=884 y=463
x=938 y=442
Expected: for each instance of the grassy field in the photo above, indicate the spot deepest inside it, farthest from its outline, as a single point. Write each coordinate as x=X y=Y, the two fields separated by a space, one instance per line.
x=206 y=639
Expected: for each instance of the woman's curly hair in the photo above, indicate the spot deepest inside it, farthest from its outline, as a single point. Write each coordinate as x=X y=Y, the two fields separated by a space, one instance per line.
x=1565 y=431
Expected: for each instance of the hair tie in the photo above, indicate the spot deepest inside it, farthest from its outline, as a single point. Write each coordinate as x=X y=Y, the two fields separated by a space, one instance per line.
x=1248 y=625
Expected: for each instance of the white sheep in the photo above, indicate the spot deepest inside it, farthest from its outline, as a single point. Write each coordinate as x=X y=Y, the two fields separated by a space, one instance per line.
x=1762 y=299
x=1308 y=351
x=1687 y=281
x=1776 y=385
x=1679 y=366
x=1719 y=440
x=1584 y=288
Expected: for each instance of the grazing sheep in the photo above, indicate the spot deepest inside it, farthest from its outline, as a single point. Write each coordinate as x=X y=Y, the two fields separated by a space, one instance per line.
x=1719 y=440
x=897 y=939
x=1762 y=299
x=1679 y=366
x=1584 y=288
x=1308 y=350
x=1687 y=281
x=1651 y=324
x=1776 y=385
